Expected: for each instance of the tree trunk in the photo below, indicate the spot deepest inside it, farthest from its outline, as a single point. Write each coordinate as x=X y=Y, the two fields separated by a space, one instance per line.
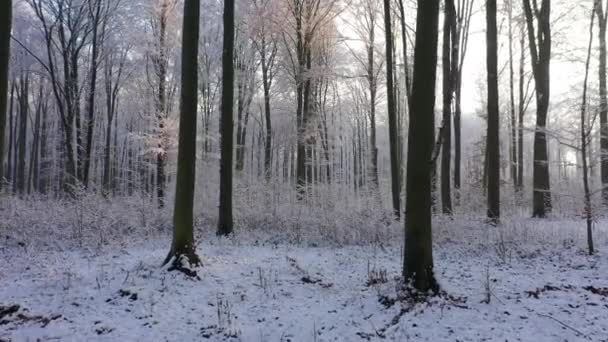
x=513 y=118
x=161 y=106
x=521 y=112
x=602 y=21
x=418 y=256
x=540 y=51
x=392 y=113
x=22 y=140
x=224 y=226
x=91 y=96
x=446 y=139
x=585 y=135
x=183 y=216
x=492 y=142
x=6 y=17
x=266 y=80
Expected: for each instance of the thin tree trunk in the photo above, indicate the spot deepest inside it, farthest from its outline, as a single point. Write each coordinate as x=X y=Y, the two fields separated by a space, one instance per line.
x=225 y=223
x=22 y=140
x=392 y=114
x=585 y=141
x=6 y=17
x=493 y=143
x=521 y=112
x=446 y=156
x=602 y=21
x=91 y=98
x=513 y=121
x=540 y=51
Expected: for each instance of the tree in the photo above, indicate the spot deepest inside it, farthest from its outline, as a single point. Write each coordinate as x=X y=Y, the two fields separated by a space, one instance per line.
x=183 y=246
x=513 y=117
x=449 y=59
x=65 y=29
x=267 y=47
x=540 y=52
x=393 y=129
x=160 y=63
x=464 y=12
x=585 y=134
x=492 y=134
x=224 y=225
x=6 y=17
x=308 y=17
x=418 y=256
x=602 y=19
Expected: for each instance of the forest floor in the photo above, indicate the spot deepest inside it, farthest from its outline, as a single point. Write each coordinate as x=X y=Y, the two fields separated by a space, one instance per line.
x=538 y=287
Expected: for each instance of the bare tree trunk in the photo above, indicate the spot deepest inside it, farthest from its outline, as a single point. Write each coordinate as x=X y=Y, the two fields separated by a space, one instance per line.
x=540 y=51
x=225 y=223
x=6 y=17
x=22 y=140
x=602 y=21
x=446 y=156
x=521 y=112
x=418 y=256
x=11 y=137
x=492 y=142
x=585 y=140
x=95 y=22
x=392 y=114
x=183 y=245
x=513 y=118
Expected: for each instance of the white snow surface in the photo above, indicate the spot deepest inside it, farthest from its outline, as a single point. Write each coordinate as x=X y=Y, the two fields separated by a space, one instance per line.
x=251 y=289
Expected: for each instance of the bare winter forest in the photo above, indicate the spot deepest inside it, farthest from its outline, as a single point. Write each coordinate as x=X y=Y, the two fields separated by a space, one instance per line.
x=303 y=170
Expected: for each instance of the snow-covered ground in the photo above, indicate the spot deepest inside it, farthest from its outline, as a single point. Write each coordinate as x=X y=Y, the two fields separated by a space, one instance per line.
x=540 y=283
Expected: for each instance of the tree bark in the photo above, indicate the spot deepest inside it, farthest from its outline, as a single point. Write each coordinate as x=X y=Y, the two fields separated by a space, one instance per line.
x=392 y=114
x=540 y=51
x=492 y=135
x=6 y=17
x=446 y=155
x=183 y=217
x=585 y=135
x=602 y=21
x=513 y=118
x=22 y=140
x=225 y=223
x=418 y=256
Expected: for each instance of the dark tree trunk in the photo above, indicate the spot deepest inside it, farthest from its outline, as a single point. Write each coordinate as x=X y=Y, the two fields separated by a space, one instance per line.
x=183 y=216
x=22 y=140
x=91 y=96
x=492 y=135
x=446 y=156
x=521 y=112
x=224 y=226
x=45 y=162
x=418 y=256
x=540 y=51
x=585 y=138
x=513 y=118
x=393 y=128
x=6 y=17
x=34 y=152
x=267 y=80
x=11 y=135
x=602 y=21
x=373 y=91
x=301 y=115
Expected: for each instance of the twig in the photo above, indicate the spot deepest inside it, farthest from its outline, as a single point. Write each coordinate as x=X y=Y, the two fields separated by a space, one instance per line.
x=565 y=325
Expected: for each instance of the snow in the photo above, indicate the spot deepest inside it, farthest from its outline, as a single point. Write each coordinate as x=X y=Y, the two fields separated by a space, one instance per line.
x=251 y=289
